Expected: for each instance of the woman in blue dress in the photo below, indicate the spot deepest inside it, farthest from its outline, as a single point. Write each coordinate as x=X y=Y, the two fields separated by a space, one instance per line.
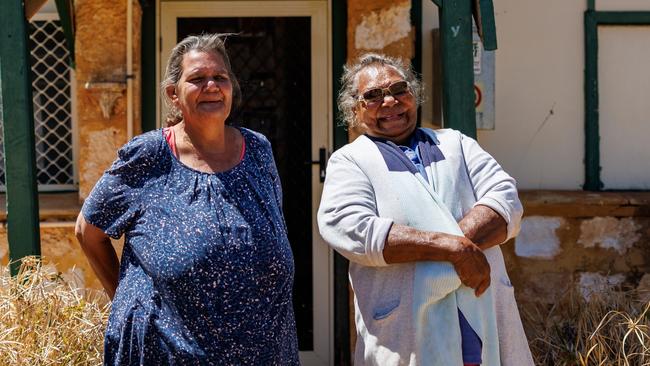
x=206 y=273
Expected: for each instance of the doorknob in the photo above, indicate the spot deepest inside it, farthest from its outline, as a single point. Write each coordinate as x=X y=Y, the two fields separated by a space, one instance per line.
x=322 y=163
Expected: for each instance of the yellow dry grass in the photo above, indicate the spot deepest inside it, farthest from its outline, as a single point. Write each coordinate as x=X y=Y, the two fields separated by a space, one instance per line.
x=44 y=320
x=608 y=329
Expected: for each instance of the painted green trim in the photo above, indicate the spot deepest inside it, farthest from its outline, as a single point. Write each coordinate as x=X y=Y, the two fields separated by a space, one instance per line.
x=416 y=61
x=457 y=66
x=593 y=19
x=18 y=119
x=65 y=8
x=416 y=23
x=148 y=70
x=591 y=4
x=489 y=25
x=342 y=352
x=339 y=58
x=622 y=17
x=592 y=138
x=437 y=2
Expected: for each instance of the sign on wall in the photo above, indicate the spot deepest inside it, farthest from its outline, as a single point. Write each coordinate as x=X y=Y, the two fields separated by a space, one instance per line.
x=483 y=84
x=484 y=62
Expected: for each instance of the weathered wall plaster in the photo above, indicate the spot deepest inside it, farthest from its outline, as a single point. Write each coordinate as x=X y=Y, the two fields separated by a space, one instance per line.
x=382 y=26
x=379 y=26
x=609 y=233
x=592 y=283
x=99 y=150
x=379 y=29
x=626 y=253
x=537 y=238
x=101 y=56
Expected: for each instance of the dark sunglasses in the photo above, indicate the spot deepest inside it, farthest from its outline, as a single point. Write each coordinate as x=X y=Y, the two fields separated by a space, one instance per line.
x=377 y=95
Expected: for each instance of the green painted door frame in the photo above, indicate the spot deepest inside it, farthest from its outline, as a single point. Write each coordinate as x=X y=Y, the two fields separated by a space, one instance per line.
x=342 y=354
x=593 y=19
x=18 y=122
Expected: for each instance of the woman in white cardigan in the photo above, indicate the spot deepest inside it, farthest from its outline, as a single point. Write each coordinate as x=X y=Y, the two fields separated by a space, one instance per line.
x=420 y=215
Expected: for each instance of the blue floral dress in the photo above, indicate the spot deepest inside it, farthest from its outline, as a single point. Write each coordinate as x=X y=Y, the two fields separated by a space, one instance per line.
x=207 y=272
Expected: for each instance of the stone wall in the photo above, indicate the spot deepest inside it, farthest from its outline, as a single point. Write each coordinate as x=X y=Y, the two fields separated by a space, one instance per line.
x=100 y=54
x=381 y=26
x=59 y=247
x=589 y=240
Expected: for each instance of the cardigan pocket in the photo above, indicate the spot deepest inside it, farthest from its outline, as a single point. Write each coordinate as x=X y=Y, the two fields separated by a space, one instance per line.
x=505 y=282
x=385 y=309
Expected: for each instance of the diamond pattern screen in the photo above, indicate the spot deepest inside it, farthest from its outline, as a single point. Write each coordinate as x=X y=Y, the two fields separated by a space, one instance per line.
x=271 y=58
x=51 y=97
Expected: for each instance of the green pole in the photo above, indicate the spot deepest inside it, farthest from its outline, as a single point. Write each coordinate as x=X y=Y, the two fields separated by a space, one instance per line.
x=342 y=319
x=457 y=66
x=18 y=119
x=148 y=72
x=65 y=8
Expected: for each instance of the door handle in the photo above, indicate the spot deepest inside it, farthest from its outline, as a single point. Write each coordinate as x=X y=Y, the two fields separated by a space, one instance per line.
x=322 y=163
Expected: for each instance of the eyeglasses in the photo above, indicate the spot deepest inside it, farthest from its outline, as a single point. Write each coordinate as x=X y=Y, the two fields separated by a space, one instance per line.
x=374 y=97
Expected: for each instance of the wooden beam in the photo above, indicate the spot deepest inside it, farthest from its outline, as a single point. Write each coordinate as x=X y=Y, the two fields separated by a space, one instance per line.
x=65 y=8
x=342 y=319
x=622 y=17
x=148 y=51
x=18 y=119
x=488 y=30
x=592 y=136
x=457 y=66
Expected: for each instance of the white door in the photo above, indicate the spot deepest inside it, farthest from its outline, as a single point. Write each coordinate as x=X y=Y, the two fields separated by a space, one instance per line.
x=281 y=57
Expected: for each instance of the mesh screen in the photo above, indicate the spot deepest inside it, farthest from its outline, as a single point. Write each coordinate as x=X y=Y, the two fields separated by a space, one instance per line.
x=51 y=97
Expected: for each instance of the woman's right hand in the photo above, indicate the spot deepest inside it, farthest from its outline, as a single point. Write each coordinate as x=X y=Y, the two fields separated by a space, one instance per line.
x=407 y=244
x=470 y=264
x=100 y=253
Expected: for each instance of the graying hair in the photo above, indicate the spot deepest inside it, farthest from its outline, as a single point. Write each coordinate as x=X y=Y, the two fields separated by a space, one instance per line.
x=348 y=96
x=209 y=42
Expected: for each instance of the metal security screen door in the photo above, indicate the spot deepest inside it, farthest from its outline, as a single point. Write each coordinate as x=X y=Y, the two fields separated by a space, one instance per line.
x=275 y=56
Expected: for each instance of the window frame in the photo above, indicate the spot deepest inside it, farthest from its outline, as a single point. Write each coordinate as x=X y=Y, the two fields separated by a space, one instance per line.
x=593 y=19
x=53 y=16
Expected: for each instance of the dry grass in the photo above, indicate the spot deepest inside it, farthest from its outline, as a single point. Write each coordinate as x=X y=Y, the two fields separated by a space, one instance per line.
x=609 y=329
x=44 y=320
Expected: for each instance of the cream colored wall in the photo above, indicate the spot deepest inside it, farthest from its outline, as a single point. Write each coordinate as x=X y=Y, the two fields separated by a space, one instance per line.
x=429 y=22
x=539 y=134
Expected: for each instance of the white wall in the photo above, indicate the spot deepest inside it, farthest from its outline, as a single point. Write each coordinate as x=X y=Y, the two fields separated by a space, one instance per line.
x=429 y=22
x=539 y=134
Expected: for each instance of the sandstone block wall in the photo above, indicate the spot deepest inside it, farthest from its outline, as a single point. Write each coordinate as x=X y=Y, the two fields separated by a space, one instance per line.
x=381 y=26
x=100 y=53
x=589 y=240
x=60 y=247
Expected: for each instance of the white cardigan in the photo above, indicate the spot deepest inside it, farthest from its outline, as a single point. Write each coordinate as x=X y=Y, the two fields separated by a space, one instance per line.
x=406 y=314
